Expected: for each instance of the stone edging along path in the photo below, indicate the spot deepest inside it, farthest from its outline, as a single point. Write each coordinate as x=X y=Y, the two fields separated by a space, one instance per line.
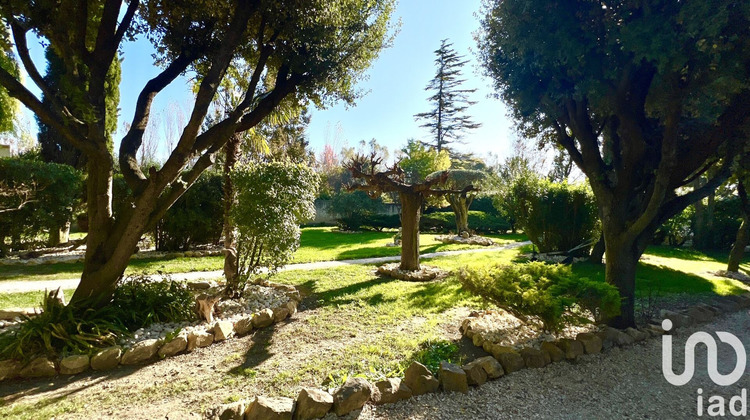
x=153 y=349
x=312 y=403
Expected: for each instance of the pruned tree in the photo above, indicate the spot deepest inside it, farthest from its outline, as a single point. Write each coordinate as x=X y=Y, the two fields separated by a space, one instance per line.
x=447 y=120
x=294 y=50
x=644 y=96
x=376 y=180
x=467 y=181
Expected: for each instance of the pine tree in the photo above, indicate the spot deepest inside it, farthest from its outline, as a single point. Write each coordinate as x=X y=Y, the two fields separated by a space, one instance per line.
x=447 y=120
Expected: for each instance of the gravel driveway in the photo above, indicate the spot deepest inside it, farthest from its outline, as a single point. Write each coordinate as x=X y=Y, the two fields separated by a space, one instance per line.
x=614 y=385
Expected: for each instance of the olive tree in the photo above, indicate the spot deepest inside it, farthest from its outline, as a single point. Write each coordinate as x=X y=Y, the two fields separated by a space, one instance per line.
x=370 y=176
x=313 y=50
x=644 y=97
x=466 y=181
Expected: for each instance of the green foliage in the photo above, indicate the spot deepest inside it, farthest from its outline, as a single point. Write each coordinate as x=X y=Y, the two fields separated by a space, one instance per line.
x=8 y=106
x=195 y=218
x=555 y=216
x=515 y=172
x=478 y=220
x=431 y=353
x=140 y=301
x=676 y=230
x=447 y=120
x=273 y=199
x=59 y=330
x=355 y=209
x=550 y=292
x=51 y=191
x=419 y=160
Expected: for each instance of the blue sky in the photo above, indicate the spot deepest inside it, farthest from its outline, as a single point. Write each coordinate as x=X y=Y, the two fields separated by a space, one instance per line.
x=394 y=89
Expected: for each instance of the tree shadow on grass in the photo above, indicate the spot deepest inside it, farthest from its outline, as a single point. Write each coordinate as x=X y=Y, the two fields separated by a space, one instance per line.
x=344 y=295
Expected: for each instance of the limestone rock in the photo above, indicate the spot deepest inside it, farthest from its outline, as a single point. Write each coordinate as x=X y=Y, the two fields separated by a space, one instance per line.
x=312 y=404
x=243 y=325
x=636 y=334
x=453 y=378
x=475 y=373
x=535 y=358
x=491 y=366
x=140 y=352
x=223 y=330
x=106 y=359
x=291 y=306
x=678 y=320
x=199 y=339
x=419 y=379
x=263 y=318
x=204 y=306
x=39 y=368
x=571 y=348
x=478 y=340
x=10 y=369
x=231 y=411
x=614 y=337
x=178 y=344
x=74 y=364
x=509 y=358
x=351 y=396
x=699 y=314
x=592 y=344
x=555 y=353
x=264 y=408
x=392 y=390
x=280 y=313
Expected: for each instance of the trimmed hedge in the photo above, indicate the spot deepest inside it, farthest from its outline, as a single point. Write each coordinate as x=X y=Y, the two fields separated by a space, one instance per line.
x=479 y=221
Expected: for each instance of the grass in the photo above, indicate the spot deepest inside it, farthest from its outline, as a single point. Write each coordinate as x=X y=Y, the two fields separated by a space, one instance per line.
x=25 y=299
x=316 y=244
x=356 y=323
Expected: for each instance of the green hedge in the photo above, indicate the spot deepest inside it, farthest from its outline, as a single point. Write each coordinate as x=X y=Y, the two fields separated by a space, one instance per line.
x=196 y=218
x=479 y=221
x=55 y=191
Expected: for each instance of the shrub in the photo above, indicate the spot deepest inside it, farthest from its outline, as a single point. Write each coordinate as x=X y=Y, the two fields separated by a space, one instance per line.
x=273 y=199
x=61 y=330
x=52 y=192
x=354 y=209
x=676 y=230
x=556 y=216
x=550 y=292
x=140 y=301
x=479 y=221
x=196 y=218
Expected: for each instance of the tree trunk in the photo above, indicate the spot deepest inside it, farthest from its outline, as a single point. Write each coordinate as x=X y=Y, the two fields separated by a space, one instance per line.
x=232 y=152
x=622 y=261
x=410 y=205
x=461 y=213
x=738 y=249
x=59 y=235
x=597 y=252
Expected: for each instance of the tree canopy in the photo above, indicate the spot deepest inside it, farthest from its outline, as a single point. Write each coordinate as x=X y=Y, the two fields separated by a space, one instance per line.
x=644 y=97
x=312 y=50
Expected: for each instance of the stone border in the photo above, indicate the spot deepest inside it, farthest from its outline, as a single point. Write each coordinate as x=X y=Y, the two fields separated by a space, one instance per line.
x=466 y=240
x=153 y=350
x=424 y=274
x=312 y=403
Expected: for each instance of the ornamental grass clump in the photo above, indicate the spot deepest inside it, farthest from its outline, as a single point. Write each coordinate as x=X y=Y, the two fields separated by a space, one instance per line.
x=140 y=301
x=548 y=292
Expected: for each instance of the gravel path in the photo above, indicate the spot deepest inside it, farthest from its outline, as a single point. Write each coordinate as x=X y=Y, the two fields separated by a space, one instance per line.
x=617 y=384
x=15 y=286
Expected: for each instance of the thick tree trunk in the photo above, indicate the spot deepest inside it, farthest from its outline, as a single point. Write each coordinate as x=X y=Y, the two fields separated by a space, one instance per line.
x=461 y=212
x=597 y=252
x=622 y=261
x=232 y=151
x=738 y=249
x=410 y=206
x=59 y=235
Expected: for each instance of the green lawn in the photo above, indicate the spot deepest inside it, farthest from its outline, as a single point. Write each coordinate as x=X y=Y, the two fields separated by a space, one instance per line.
x=316 y=244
